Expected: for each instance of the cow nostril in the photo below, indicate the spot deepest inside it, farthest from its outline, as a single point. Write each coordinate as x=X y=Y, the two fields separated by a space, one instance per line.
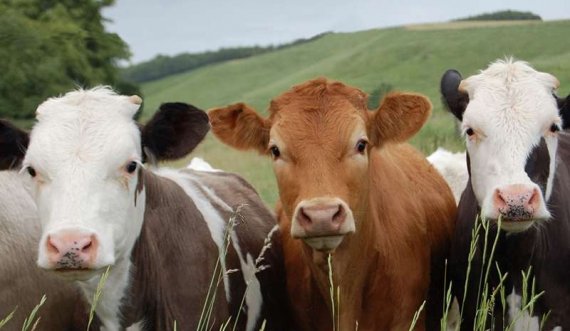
x=51 y=247
x=303 y=217
x=86 y=247
x=533 y=198
x=339 y=215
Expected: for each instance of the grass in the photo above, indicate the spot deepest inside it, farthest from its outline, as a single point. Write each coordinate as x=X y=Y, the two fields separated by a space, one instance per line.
x=405 y=58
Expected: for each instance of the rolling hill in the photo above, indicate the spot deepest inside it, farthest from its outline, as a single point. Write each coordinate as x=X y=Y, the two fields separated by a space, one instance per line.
x=410 y=58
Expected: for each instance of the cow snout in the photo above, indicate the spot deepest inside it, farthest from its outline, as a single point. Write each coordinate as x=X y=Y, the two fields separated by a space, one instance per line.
x=321 y=220
x=70 y=250
x=517 y=202
x=322 y=223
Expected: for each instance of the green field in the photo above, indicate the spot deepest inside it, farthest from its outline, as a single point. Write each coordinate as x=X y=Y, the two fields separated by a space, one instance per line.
x=410 y=58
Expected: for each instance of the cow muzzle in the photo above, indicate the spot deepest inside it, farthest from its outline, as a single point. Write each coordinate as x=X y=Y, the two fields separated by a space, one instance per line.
x=70 y=253
x=322 y=223
x=519 y=206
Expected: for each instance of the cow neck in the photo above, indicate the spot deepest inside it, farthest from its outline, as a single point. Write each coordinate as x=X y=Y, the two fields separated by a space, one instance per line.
x=142 y=300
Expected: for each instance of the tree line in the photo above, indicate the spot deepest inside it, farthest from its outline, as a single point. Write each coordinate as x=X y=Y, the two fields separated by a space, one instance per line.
x=163 y=65
x=504 y=15
x=52 y=46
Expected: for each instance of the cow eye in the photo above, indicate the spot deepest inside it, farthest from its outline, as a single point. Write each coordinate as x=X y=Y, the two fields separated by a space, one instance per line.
x=31 y=171
x=274 y=150
x=361 y=146
x=554 y=128
x=469 y=132
x=131 y=167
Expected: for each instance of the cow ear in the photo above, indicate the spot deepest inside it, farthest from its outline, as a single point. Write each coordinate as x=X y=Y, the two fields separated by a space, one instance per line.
x=453 y=97
x=241 y=127
x=564 y=107
x=174 y=131
x=13 y=145
x=400 y=116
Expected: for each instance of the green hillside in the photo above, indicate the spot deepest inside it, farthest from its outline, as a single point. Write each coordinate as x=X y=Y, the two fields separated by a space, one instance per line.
x=411 y=58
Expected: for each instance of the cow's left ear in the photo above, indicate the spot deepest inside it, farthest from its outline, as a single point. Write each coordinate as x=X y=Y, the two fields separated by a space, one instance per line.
x=399 y=117
x=564 y=107
x=174 y=131
x=13 y=145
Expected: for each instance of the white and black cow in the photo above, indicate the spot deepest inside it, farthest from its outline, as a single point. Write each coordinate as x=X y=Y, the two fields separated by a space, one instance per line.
x=518 y=160
x=160 y=232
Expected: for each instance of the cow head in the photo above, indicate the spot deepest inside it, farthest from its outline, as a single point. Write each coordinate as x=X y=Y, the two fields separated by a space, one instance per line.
x=511 y=121
x=85 y=155
x=319 y=135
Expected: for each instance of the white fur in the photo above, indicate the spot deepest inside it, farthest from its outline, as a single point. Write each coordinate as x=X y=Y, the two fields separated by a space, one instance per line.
x=453 y=168
x=79 y=149
x=201 y=165
x=511 y=108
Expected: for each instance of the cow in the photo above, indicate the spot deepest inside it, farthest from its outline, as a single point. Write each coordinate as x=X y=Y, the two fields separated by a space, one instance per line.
x=149 y=247
x=453 y=169
x=517 y=157
x=22 y=284
x=351 y=187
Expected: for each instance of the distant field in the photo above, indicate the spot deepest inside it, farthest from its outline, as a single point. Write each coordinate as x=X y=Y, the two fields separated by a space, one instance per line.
x=407 y=58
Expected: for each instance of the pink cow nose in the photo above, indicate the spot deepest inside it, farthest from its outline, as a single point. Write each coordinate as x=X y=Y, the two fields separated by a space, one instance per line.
x=517 y=201
x=71 y=249
x=322 y=219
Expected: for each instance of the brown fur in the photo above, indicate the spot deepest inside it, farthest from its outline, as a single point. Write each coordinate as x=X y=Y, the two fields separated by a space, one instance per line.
x=174 y=257
x=403 y=209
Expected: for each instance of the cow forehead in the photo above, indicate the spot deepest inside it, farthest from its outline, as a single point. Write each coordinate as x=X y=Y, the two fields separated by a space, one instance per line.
x=316 y=109
x=85 y=125
x=511 y=96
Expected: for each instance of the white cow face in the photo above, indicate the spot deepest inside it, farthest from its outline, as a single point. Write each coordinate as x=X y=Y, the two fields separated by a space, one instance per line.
x=511 y=121
x=85 y=158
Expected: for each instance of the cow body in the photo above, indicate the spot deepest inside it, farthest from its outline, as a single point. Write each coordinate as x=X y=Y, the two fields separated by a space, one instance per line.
x=175 y=257
x=162 y=238
x=351 y=187
x=517 y=158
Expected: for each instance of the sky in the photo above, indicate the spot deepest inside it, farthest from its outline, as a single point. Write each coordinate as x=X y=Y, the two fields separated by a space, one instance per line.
x=171 y=27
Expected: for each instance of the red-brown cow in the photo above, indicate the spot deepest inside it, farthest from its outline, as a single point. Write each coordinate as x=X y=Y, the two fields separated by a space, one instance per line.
x=349 y=184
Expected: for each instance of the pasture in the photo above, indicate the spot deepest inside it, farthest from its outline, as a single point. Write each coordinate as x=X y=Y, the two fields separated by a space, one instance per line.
x=410 y=58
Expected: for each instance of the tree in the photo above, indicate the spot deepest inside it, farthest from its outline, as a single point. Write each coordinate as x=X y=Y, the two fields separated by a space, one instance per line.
x=50 y=47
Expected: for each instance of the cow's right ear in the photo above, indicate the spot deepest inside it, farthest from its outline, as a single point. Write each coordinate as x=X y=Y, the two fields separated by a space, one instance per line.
x=454 y=98
x=241 y=127
x=174 y=131
x=13 y=145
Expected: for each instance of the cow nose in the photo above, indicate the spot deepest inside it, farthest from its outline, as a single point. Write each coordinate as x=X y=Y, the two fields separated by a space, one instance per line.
x=517 y=201
x=321 y=219
x=71 y=250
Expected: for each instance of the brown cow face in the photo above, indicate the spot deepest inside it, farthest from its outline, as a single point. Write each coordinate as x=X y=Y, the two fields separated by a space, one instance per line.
x=319 y=135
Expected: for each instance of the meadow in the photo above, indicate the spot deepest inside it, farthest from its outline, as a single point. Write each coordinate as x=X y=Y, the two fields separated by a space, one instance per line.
x=408 y=58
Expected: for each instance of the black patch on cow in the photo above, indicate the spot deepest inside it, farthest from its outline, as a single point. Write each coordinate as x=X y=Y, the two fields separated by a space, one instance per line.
x=13 y=145
x=538 y=165
x=174 y=131
x=564 y=107
x=454 y=100
x=140 y=184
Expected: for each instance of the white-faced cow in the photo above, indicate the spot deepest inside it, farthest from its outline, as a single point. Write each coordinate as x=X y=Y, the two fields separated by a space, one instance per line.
x=160 y=232
x=350 y=185
x=453 y=169
x=517 y=156
x=22 y=283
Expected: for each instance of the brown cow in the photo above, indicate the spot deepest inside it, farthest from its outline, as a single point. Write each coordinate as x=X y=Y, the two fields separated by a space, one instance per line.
x=349 y=184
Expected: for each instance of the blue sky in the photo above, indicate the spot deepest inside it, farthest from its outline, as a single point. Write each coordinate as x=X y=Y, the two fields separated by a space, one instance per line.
x=170 y=27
